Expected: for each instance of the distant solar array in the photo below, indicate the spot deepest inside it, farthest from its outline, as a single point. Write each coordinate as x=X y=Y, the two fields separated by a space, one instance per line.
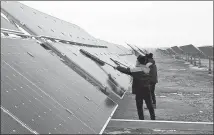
x=191 y=50
x=192 y=54
x=170 y=51
x=207 y=50
x=177 y=50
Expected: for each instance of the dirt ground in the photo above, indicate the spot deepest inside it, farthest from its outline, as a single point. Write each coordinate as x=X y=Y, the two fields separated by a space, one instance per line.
x=184 y=93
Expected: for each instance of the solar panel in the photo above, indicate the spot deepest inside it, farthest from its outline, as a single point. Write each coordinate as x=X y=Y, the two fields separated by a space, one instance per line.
x=170 y=51
x=91 y=68
x=192 y=50
x=42 y=24
x=207 y=50
x=177 y=50
x=7 y=25
x=47 y=95
x=163 y=51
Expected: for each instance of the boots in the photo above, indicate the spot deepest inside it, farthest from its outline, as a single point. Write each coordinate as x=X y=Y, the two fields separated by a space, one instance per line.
x=152 y=117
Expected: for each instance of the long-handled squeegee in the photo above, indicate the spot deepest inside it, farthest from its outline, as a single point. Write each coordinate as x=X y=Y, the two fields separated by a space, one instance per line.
x=118 y=63
x=96 y=59
x=113 y=84
x=136 y=51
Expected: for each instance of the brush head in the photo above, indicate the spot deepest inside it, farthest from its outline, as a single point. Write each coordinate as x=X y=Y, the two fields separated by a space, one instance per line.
x=114 y=87
x=112 y=80
x=92 y=57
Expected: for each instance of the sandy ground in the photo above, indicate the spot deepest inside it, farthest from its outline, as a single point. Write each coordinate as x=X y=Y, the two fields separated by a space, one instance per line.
x=184 y=93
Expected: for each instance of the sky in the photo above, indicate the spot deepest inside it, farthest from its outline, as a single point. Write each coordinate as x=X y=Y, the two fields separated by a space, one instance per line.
x=149 y=24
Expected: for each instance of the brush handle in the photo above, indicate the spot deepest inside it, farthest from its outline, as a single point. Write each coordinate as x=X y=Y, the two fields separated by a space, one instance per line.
x=141 y=50
x=130 y=46
x=118 y=62
x=109 y=64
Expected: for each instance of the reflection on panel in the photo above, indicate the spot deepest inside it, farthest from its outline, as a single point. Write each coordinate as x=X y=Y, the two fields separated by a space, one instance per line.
x=46 y=94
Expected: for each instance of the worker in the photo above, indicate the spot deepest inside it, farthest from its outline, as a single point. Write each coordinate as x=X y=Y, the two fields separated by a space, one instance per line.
x=154 y=78
x=140 y=85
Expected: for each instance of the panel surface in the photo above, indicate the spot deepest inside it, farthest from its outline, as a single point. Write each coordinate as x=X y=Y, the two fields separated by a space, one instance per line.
x=92 y=68
x=46 y=94
x=207 y=50
x=130 y=59
x=177 y=50
x=7 y=25
x=43 y=24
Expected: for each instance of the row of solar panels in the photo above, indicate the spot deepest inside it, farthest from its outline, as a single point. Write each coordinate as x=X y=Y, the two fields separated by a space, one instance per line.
x=40 y=23
x=203 y=51
x=50 y=86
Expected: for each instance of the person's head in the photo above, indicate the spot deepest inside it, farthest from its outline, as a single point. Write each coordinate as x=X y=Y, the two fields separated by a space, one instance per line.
x=141 y=60
x=150 y=55
x=147 y=55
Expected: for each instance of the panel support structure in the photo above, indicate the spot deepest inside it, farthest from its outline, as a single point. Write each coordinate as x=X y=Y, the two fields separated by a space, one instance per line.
x=154 y=124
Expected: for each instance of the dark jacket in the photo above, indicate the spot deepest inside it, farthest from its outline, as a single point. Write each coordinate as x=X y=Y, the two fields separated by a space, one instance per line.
x=141 y=79
x=153 y=71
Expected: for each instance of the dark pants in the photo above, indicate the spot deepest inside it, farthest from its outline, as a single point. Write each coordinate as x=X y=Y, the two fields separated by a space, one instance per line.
x=152 y=88
x=145 y=94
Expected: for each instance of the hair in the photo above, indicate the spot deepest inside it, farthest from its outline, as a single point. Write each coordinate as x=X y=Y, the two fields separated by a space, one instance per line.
x=142 y=59
x=150 y=55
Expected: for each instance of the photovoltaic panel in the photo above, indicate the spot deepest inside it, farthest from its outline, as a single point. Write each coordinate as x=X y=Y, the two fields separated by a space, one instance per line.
x=47 y=95
x=192 y=50
x=42 y=24
x=177 y=50
x=92 y=68
x=7 y=25
x=162 y=51
x=170 y=51
x=207 y=50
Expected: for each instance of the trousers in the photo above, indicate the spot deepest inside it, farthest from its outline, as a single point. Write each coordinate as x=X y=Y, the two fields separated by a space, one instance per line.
x=145 y=94
x=152 y=88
